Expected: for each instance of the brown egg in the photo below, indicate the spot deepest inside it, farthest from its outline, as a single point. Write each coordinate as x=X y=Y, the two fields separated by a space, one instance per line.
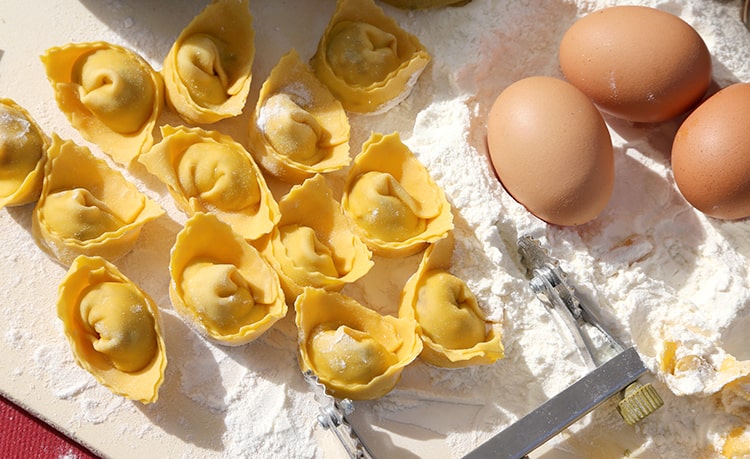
x=636 y=63
x=711 y=154
x=551 y=150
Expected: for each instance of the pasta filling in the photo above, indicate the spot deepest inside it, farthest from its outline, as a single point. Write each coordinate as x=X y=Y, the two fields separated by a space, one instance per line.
x=350 y=355
x=21 y=147
x=383 y=208
x=293 y=131
x=78 y=214
x=119 y=325
x=305 y=250
x=219 y=176
x=116 y=89
x=448 y=312
x=220 y=295
x=362 y=54
x=200 y=66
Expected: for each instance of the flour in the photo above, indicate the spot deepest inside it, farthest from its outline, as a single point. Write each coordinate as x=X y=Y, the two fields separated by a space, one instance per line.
x=663 y=272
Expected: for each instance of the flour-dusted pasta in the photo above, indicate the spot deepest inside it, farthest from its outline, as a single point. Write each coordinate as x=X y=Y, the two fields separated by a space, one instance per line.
x=367 y=60
x=313 y=245
x=23 y=151
x=354 y=351
x=392 y=201
x=452 y=326
x=208 y=70
x=110 y=94
x=206 y=171
x=113 y=328
x=221 y=285
x=86 y=207
x=298 y=128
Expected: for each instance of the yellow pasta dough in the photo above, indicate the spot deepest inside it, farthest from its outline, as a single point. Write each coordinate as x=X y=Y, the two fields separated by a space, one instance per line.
x=23 y=149
x=719 y=369
x=110 y=94
x=225 y=290
x=313 y=245
x=206 y=171
x=354 y=351
x=207 y=72
x=452 y=326
x=86 y=207
x=114 y=329
x=366 y=59
x=737 y=443
x=392 y=201
x=298 y=128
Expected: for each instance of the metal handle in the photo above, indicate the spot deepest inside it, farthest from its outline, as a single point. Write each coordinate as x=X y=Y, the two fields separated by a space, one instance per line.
x=562 y=410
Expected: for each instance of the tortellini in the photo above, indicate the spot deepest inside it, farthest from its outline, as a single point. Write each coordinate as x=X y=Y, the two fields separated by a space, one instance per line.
x=206 y=171
x=110 y=94
x=207 y=72
x=221 y=285
x=86 y=207
x=313 y=245
x=114 y=329
x=392 y=200
x=23 y=150
x=452 y=326
x=354 y=351
x=367 y=60
x=298 y=128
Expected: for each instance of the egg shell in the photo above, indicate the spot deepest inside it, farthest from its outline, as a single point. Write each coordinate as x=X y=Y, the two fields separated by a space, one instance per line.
x=711 y=154
x=551 y=150
x=636 y=63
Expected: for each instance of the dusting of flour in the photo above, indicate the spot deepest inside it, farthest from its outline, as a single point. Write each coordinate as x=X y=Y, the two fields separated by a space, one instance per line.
x=663 y=271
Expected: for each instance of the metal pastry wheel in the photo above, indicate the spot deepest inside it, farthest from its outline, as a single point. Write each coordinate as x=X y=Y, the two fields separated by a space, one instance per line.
x=334 y=416
x=615 y=370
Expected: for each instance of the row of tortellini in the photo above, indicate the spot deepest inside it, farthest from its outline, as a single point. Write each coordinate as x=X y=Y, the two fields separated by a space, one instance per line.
x=360 y=354
x=113 y=97
x=231 y=293
x=364 y=62
x=86 y=213
x=83 y=206
x=234 y=293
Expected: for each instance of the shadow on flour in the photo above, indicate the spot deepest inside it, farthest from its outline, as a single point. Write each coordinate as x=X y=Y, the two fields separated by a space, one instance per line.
x=191 y=400
x=433 y=413
x=646 y=222
x=675 y=235
x=22 y=215
x=148 y=26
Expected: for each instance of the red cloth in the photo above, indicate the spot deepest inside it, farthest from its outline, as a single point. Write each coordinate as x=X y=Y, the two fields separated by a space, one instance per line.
x=22 y=436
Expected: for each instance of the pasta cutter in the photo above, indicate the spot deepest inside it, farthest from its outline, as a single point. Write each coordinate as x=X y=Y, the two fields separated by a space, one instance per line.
x=614 y=368
x=334 y=416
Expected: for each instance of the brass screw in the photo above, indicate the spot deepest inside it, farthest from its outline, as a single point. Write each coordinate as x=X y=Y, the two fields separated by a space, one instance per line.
x=639 y=400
